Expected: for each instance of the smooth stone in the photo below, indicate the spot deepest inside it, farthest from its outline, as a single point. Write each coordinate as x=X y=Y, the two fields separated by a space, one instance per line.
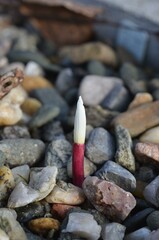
x=112 y=201
x=95 y=67
x=151 y=135
x=151 y=58
x=33 y=82
x=89 y=167
x=139 y=99
x=43 y=225
x=44 y=114
x=83 y=225
x=12 y=132
x=21 y=173
x=151 y=192
x=65 y=80
x=146 y=116
x=147 y=152
x=139 y=234
x=66 y=193
x=22 y=195
x=22 y=151
x=89 y=51
x=113 y=172
x=10 y=225
x=146 y=174
x=124 y=156
x=7 y=182
x=154 y=235
x=3 y=235
x=31 y=106
x=139 y=190
x=43 y=180
x=28 y=212
x=100 y=146
x=52 y=97
x=102 y=86
x=112 y=231
x=57 y=154
x=153 y=220
x=33 y=69
x=52 y=131
x=60 y=210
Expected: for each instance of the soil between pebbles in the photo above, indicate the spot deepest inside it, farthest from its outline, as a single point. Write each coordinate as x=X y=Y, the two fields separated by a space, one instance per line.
x=120 y=194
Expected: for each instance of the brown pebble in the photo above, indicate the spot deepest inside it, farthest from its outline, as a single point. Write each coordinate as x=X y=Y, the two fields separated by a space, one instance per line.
x=32 y=82
x=31 y=106
x=61 y=210
x=140 y=98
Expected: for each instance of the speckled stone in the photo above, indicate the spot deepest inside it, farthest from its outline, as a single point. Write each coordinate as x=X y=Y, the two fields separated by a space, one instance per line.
x=151 y=192
x=151 y=135
x=100 y=146
x=60 y=210
x=16 y=131
x=124 y=155
x=139 y=234
x=112 y=231
x=21 y=173
x=2 y=158
x=139 y=99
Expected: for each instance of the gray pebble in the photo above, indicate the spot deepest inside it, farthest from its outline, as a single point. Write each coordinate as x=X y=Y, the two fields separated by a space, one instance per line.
x=112 y=231
x=98 y=68
x=113 y=172
x=100 y=146
x=146 y=174
x=14 y=132
x=52 y=131
x=21 y=173
x=139 y=234
x=151 y=192
x=2 y=158
x=153 y=220
x=22 y=151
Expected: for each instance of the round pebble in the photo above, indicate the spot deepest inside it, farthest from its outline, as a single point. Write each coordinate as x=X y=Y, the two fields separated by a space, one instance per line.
x=31 y=106
x=32 y=82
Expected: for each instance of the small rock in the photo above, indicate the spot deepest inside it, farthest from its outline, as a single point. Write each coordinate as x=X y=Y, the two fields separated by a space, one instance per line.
x=139 y=99
x=6 y=182
x=139 y=190
x=57 y=154
x=153 y=220
x=33 y=69
x=43 y=225
x=100 y=146
x=10 y=132
x=22 y=195
x=112 y=201
x=83 y=225
x=146 y=174
x=22 y=151
x=101 y=86
x=52 y=131
x=95 y=67
x=21 y=173
x=153 y=235
x=89 y=167
x=61 y=210
x=124 y=154
x=112 y=231
x=151 y=136
x=151 y=192
x=66 y=194
x=31 y=106
x=139 y=234
x=113 y=172
x=146 y=116
x=2 y=158
x=3 y=235
x=10 y=225
x=32 y=82
x=90 y=51
x=43 y=180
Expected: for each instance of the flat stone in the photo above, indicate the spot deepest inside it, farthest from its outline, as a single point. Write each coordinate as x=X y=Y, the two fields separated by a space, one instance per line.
x=101 y=86
x=113 y=172
x=124 y=156
x=31 y=106
x=153 y=220
x=32 y=82
x=89 y=51
x=151 y=192
x=22 y=151
x=66 y=193
x=100 y=146
x=83 y=225
x=151 y=136
x=111 y=231
x=21 y=173
x=15 y=132
x=108 y=198
x=139 y=234
x=146 y=116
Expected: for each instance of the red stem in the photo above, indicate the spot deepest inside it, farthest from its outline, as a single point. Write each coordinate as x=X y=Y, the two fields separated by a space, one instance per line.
x=78 y=164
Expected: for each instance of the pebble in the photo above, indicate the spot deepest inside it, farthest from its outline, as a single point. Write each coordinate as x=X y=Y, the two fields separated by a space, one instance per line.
x=139 y=190
x=10 y=225
x=60 y=210
x=147 y=114
x=52 y=131
x=89 y=51
x=22 y=151
x=21 y=173
x=95 y=67
x=2 y=159
x=43 y=225
x=66 y=193
x=151 y=136
x=16 y=131
x=43 y=180
x=146 y=174
x=30 y=106
x=113 y=172
x=154 y=235
x=83 y=225
x=147 y=152
x=3 y=235
x=102 y=87
x=153 y=220
x=32 y=236
x=112 y=231
x=32 y=82
x=100 y=146
x=124 y=156
x=33 y=69
x=22 y=195
x=89 y=167
x=139 y=99
x=139 y=234
x=44 y=114
x=6 y=182
x=151 y=192
x=109 y=200
x=57 y=154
